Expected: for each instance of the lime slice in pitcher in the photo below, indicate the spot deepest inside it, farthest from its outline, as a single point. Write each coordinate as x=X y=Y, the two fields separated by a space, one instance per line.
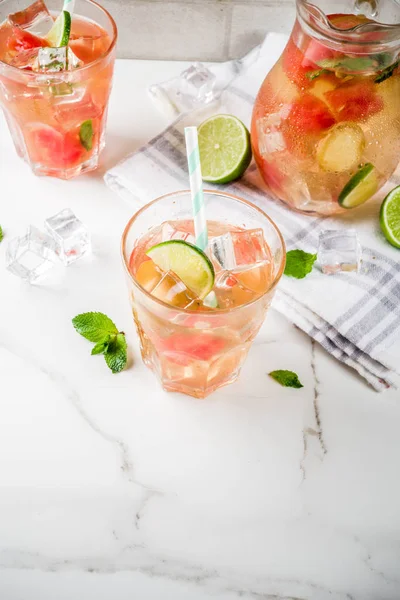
x=390 y=217
x=225 y=149
x=58 y=35
x=359 y=188
x=188 y=262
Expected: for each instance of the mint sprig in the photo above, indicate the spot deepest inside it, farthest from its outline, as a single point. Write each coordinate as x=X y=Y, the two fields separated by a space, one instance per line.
x=1 y=234
x=299 y=263
x=100 y=329
x=286 y=378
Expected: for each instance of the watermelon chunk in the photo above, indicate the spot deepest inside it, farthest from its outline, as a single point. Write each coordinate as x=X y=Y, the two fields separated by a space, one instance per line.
x=310 y=115
x=21 y=40
x=54 y=148
x=199 y=346
x=355 y=101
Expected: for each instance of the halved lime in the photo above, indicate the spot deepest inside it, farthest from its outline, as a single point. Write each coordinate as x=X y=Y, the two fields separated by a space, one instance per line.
x=225 y=149
x=188 y=262
x=389 y=217
x=58 y=35
x=360 y=187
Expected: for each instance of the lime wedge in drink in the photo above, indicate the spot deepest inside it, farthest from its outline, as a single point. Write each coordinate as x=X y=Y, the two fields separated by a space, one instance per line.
x=58 y=35
x=225 y=149
x=390 y=217
x=360 y=187
x=188 y=262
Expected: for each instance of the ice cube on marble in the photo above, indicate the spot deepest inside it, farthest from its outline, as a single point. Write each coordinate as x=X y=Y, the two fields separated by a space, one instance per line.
x=198 y=82
x=32 y=255
x=339 y=251
x=193 y=88
x=70 y=235
x=35 y=18
x=237 y=249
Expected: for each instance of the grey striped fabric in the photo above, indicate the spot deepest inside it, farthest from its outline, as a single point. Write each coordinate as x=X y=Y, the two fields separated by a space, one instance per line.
x=355 y=317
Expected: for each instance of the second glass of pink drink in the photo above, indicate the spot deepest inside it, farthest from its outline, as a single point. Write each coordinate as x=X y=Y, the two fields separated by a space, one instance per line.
x=197 y=344
x=56 y=116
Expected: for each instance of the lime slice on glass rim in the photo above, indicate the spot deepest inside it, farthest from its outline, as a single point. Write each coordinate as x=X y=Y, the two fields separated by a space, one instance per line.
x=225 y=149
x=58 y=35
x=188 y=262
x=389 y=217
x=360 y=187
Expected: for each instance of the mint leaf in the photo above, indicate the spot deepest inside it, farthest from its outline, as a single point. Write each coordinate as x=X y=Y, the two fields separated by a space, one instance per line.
x=1 y=234
x=349 y=63
x=98 y=328
x=86 y=134
x=116 y=353
x=311 y=75
x=94 y=326
x=299 y=263
x=286 y=378
x=101 y=347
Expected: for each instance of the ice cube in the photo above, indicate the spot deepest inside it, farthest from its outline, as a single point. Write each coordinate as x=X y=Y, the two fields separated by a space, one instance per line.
x=270 y=140
x=148 y=275
x=73 y=113
x=198 y=83
x=35 y=18
x=31 y=255
x=71 y=236
x=26 y=59
x=339 y=250
x=193 y=88
x=170 y=232
x=237 y=249
x=64 y=93
x=87 y=47
x=172 y=290
x=230 y=291
x=53 y=60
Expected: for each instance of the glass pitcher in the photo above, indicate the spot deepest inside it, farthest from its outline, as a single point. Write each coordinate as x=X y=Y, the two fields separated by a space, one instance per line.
x=326 y=121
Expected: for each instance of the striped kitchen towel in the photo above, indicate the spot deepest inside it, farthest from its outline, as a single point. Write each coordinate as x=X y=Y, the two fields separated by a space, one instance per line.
x=355 y=317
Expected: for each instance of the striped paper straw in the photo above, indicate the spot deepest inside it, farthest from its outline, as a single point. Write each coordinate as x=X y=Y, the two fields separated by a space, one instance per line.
x=196 y=187
x=69 y=6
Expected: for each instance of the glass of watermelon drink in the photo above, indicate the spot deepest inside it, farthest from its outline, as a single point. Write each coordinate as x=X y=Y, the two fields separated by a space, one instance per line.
x=56 y=113
x=197 y=313
x=326 y=121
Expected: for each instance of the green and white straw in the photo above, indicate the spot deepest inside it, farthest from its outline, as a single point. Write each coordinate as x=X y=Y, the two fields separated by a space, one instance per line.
x=69 y=6
x=196 y=187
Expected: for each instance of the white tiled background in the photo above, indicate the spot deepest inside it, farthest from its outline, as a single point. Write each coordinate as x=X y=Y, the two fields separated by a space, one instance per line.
x=196 y=29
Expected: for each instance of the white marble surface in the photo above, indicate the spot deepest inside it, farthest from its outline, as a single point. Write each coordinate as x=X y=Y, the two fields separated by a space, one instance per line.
x=112 y=489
